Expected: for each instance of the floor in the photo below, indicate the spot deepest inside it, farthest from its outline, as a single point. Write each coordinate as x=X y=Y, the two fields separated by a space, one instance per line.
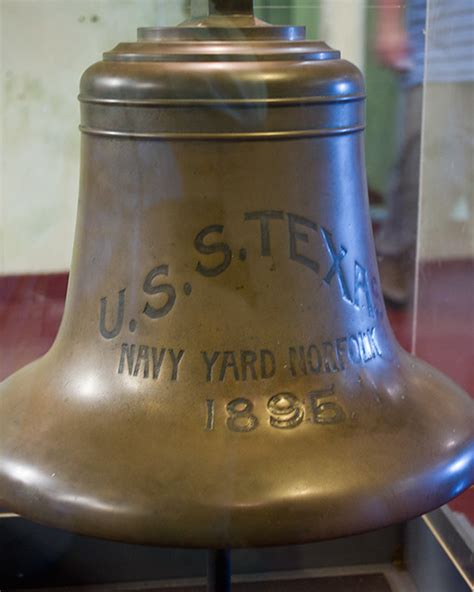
x=353 y=583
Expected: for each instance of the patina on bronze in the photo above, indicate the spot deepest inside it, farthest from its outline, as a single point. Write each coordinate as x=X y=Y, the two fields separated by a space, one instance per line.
x=225 y=375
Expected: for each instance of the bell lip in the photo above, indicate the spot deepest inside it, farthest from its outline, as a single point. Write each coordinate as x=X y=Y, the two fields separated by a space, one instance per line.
x=232 y=542
x=422 y=489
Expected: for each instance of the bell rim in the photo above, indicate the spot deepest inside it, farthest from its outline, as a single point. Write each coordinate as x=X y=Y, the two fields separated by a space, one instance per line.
x=423 y=488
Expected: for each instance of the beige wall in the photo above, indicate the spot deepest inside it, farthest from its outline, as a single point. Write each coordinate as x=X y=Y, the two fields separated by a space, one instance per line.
x=45 y=46
x=342 y=25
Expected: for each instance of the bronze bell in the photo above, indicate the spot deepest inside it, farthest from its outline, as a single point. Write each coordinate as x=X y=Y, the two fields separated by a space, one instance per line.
x=225 y=374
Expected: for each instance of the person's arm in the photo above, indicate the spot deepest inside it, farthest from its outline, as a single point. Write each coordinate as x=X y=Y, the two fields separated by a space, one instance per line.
x=391 y=42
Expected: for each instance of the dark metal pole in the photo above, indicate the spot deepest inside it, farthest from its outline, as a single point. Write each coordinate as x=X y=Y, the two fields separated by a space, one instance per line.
x=230 y=6
x=219 y=570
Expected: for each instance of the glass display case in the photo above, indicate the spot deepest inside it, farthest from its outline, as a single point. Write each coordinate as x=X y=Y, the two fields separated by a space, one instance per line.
x=417 y=61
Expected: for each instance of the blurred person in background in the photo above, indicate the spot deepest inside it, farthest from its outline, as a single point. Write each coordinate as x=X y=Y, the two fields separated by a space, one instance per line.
x=448 y=138
x=400 y=45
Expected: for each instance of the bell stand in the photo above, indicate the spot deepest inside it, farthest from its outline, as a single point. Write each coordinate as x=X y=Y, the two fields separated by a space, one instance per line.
x=219 y=570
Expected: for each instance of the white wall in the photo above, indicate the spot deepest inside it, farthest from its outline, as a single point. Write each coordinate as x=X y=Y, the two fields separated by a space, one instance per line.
x=45 y=47
x=342 y=25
